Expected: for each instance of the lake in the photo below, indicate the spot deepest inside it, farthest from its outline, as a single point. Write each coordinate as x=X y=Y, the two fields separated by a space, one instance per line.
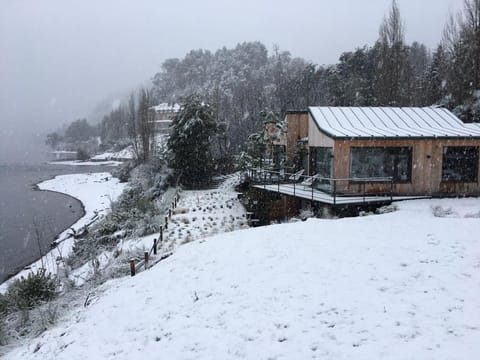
x=31 y=219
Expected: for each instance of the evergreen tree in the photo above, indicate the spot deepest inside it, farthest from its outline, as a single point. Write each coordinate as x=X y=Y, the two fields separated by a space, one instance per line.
x=190 y=143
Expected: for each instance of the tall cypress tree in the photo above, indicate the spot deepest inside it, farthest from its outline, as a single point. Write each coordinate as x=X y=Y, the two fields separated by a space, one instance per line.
x=190 y=143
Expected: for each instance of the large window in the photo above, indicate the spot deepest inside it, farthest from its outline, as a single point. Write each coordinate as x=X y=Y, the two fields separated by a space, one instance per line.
x=321 y=161
x=460 y=163
x=374 y=162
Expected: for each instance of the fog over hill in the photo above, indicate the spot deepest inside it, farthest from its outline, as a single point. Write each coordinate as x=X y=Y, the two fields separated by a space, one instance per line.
x=60 y=59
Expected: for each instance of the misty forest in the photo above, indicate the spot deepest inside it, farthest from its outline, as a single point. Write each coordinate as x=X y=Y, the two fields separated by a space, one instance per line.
x=242 y=83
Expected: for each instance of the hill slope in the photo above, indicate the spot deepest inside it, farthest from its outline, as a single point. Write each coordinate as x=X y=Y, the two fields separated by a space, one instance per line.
x=399 y=285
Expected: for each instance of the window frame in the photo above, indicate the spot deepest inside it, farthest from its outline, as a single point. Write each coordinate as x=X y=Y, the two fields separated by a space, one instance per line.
x=455 y=160
x=392 y=153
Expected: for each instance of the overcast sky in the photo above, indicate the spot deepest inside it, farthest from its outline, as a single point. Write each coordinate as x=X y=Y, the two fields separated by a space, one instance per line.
x=59 y=58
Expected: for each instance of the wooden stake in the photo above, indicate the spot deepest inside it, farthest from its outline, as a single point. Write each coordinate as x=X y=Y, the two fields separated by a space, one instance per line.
x=166 y=222
x=132 y=267
x=146 y=260
x=154 y=246
x=161 y=234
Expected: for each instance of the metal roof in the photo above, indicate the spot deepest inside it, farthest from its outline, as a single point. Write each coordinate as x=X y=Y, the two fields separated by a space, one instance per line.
x=391 y=122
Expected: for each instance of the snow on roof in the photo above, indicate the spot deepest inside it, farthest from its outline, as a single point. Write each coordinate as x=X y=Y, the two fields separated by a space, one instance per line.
x=390 y=122
x=166 y=107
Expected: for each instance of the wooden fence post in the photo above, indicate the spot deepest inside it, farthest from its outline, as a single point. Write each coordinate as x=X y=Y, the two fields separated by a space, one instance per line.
x=161 y=234
x=132 y=267
x=146 y=260
x=169 y=213
x=166 y=222
x=155 y=246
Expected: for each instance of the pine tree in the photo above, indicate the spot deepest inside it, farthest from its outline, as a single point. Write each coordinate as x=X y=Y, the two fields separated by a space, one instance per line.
x=190 y=143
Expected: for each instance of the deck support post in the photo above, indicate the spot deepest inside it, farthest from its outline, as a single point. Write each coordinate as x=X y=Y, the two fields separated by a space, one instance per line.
x=391 y=189
x=334 y=192
x=363 y=192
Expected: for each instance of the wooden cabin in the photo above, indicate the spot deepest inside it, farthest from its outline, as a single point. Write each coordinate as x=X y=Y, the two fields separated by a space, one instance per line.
x=426 y=151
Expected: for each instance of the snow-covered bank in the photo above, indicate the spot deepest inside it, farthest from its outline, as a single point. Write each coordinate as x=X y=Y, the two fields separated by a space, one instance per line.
x=397 y=286
x=86 y=163
x=124 y=154
x=96 y=191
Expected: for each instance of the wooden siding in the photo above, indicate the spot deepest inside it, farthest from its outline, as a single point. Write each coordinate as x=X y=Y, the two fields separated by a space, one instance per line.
x=317 y=138
x=297 y=128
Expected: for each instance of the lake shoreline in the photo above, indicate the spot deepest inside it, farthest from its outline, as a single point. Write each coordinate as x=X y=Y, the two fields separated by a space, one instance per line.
x=58 y=209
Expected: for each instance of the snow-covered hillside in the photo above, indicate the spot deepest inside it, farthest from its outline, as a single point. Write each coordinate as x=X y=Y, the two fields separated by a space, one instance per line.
x=403 y=285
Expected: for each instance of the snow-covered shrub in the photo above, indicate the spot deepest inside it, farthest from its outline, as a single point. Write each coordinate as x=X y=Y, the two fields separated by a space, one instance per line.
x=386 y=209
x=82 y=154
x=439 y=211
x=139 y=211
x=3 y=304
x=305 y=214
x=25 y=293
x=3 y=312
x=122 y=172
x=3 y=337
x=473 y=215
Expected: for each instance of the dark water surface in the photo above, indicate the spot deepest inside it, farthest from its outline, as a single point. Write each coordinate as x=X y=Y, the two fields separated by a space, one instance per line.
x=31 y=219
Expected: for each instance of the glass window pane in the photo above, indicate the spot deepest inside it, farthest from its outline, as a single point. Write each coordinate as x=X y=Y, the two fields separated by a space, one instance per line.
x=374 y=162
x=322 y=161
x=460 y=163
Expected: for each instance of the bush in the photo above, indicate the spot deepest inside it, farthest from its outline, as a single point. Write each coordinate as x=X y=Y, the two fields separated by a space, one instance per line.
x=82 y=154
x=3 y=304
x=25 y=293
x=123 y=171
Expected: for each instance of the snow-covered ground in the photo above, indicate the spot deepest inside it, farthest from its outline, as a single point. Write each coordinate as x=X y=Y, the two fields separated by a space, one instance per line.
x=402 y=285
x=199 y=214
x=86 y=163
x=125 y=154
x=96 y=191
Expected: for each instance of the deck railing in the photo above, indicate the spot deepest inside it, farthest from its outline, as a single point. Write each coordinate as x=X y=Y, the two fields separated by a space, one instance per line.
x=336 y=187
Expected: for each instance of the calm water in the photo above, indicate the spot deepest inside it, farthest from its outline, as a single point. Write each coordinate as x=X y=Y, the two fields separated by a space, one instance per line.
x=31 y=219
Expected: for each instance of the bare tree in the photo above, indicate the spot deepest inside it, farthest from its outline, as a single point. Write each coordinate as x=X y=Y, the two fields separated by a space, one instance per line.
x=461 y=40
x=392 y=73
x=145 y=124
x=132 y=124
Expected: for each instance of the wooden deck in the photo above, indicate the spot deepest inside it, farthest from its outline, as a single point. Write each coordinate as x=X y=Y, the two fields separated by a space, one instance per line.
x=307 y=193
